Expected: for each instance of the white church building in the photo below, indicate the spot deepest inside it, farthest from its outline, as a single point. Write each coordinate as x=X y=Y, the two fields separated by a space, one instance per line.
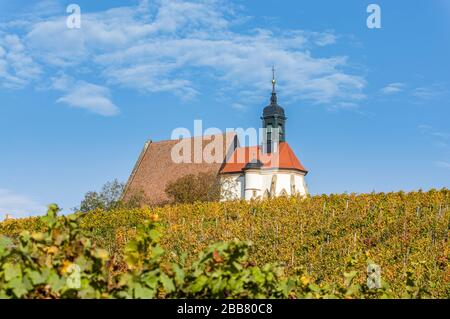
x=251 y=172
x=267 y=170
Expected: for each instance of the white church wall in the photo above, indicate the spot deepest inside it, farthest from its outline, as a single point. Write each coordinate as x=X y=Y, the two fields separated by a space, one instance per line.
x=300 y=184
x=252 y=184
x=283 y=182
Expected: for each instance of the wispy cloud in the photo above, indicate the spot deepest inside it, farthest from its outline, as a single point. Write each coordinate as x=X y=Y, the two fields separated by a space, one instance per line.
x=427 y=93
x=393 y=88
x=18 y=205
x=237 y=106
x=324 y=39
x=163 y=47
x=438 y=138
x=17 y=68
x=443 y=164
x=92 y=97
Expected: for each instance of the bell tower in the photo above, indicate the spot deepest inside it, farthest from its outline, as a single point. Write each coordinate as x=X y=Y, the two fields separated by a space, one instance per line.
x=273 y=121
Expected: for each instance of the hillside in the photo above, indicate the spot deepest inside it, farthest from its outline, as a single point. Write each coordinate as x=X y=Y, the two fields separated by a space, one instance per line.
x=401 y=232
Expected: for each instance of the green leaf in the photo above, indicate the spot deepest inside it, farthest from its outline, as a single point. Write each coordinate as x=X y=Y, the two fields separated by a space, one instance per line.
x=56 y=283
x=199 y=283
x=141 y=292
x=314 y=287
x=38 y=236
x=12 y=271
x=73 y=281
x=167 y=283
x=349 y=277
x=352 y=290
x=132 y=260
x=35 y=277
x=154 y=235
x=18 y=287
x=157 y=252
x=179 y=274
x=51 y=217
x=5 y=243
x=258 y=275
x=150 y=279
x=131 y=247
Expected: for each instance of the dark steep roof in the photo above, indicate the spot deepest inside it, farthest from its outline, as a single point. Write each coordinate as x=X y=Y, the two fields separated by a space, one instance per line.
x=273 y=109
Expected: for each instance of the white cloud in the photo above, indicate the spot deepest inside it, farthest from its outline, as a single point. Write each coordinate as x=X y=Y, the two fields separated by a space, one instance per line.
x=172 y=46
x=437 y=138
x=424 y=127
x=44 y=8
x=430 y=92
x=18 y=205
x=17 y=68
x=443 y=164
x=237 y=106
x=393 y=88
x=324 y=39
x=94 y=98
x=345 y=106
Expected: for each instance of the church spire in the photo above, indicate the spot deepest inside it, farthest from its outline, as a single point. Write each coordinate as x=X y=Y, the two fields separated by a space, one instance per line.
x=273 y=120
x=273 y=98
x=273 y=79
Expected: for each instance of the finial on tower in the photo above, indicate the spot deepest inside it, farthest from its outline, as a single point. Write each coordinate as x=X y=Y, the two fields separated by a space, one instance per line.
x=273 y=98
x=273 y=79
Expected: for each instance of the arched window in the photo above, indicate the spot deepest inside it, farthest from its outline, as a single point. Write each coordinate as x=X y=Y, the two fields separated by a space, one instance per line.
x=266 y=194
x=283 y=192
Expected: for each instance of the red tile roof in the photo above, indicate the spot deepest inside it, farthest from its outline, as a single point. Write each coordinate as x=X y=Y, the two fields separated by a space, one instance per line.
x=284 y=158
x=155 y=168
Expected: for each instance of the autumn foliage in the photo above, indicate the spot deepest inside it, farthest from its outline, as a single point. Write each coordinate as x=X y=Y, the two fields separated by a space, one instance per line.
x=406 y=234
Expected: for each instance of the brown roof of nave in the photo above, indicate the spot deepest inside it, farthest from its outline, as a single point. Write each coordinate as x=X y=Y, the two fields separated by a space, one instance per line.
x=155 y=168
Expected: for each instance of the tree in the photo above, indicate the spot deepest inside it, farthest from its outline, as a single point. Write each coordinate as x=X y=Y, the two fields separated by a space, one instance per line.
x=202 y=187
x=107 y=199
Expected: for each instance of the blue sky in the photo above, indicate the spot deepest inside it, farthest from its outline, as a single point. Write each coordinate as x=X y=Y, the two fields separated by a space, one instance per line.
x=368 y=109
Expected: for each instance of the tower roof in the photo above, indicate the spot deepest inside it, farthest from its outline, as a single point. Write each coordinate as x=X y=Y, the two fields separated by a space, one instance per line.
x=273 y=109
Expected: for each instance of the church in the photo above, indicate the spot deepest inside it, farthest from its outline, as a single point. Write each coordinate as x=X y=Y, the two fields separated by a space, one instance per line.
x=266 y=170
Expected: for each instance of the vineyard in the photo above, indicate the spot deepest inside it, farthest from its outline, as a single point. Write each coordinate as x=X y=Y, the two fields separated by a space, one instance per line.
x=406 y=234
